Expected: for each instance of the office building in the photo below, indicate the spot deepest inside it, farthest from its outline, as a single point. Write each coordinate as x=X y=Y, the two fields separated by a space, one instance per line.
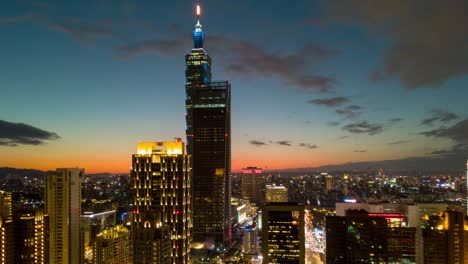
x=30 y=236
x=208 y=120
x=283 y=235
x=328 y=181
x=253 y=185
x=161 y=201
x=6 y=228
x=443 y=239
x=63 y=206
x=112 y=246
x=276 y=194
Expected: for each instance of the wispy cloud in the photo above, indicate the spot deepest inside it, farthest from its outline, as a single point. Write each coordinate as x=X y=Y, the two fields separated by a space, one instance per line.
x=333 y=123
x=440 y=116
x=330 y=102
x=82 y=31
x=14 y=134
x=457 y=132
x=307 y=145
x=363 y=127
x=257 y=143
x=246 y=59
x=398 y=142
x=360 y=151
x=284 y=143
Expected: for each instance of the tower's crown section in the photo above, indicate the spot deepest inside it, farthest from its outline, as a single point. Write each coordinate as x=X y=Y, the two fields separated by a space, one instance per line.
x=198 y=36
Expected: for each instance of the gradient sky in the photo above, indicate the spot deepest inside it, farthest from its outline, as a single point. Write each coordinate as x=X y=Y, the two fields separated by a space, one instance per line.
x=313 y=82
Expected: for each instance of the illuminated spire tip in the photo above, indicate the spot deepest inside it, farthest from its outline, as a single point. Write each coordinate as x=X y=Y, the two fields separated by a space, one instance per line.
x=198 y=11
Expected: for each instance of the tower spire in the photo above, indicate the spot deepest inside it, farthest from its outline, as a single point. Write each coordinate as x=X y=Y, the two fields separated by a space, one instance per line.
x=198 y=36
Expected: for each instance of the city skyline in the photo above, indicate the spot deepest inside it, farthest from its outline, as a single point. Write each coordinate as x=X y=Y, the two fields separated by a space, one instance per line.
x=316 y=82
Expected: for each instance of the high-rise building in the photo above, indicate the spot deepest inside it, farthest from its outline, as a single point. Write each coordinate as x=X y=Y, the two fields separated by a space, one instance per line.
x=466 y=188
x=356 y=238
x=253 y=184
x=208 y=118
x=112 y=246
x=161 y=199
x=63 y=206
x=443 y=239
x=6 y=228
x=276 y=194
x=283 y=233
x=250 y=240
x=30 y=236
x=328 y=181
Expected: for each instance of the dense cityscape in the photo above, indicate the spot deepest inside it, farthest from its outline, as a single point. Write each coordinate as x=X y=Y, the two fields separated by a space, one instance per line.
x=182 y=202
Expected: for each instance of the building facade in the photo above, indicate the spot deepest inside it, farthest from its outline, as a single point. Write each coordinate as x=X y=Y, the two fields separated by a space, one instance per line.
x=6 y=228
x=443 y=239
x=161 y=200
x=208 y=120
x=63 y=207
x=283 y=235
x=30 y=236
x=112 y=246
x=253 y=185
x=276 y=194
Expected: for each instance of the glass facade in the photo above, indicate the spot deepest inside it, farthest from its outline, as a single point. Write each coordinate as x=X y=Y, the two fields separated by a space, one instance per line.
x=208 y=142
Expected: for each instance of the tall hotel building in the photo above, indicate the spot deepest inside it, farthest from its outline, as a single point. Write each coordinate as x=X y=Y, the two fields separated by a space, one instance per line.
x=253 y=185
x=161 y=203
x=63 y=206
x=208 y=132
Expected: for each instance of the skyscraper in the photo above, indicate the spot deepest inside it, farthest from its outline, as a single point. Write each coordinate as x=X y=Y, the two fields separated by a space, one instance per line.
x=208 y=132
x=63 y=206
x=443 y=239
x=253 y=184
x=161 y=199
x=30 y=231
x=283 y=233
x=356 y=238
x=6 y=228
x=112 y=246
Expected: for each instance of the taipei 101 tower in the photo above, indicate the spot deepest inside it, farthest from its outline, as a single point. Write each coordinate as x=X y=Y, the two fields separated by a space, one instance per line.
x=208 y=117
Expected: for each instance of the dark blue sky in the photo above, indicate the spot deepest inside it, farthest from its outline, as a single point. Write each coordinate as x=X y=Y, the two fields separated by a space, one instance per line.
x=313 y=82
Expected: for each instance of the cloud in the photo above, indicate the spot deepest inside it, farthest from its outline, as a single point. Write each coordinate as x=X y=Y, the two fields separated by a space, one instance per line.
x=361 y=151
x=398 y=142
x=330 y=102
x=257 y=143
x=164 y=47
x=347 y=113
x=426 y=38
x=363 y=127
x=440 y=116
x=457 y=132
x=247 y=60
x=333 y=123
x=342 y=137
x=395 y=120
x=83 y=31
x=308 y=146
x=14 y=134
x=284 y=143
x=457 y=150
x=353 y=107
